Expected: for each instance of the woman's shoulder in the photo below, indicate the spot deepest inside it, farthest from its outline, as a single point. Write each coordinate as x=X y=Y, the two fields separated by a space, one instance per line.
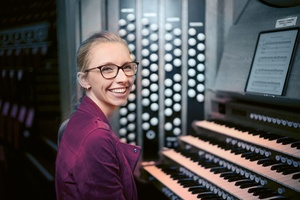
x=100 y=138
x=81 y=126
x=88 y=120
x=98 y=130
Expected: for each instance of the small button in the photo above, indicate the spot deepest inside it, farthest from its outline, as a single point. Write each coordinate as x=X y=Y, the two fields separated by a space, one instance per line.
x=192 y=31
x=135 y=150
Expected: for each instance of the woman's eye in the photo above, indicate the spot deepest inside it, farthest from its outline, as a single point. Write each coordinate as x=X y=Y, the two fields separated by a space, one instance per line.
x=107 y=69
x=128 y=67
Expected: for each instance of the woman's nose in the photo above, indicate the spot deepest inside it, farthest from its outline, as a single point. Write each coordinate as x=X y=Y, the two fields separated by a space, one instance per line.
x=121 y=76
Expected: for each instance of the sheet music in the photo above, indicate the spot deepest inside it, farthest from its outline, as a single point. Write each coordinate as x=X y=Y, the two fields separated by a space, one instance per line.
x=271 y=62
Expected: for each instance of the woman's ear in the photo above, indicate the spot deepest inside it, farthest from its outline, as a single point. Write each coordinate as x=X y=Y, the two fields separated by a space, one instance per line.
x=82 y=79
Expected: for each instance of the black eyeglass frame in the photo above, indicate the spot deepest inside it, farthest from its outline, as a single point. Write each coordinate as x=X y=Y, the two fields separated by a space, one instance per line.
x=119 y=67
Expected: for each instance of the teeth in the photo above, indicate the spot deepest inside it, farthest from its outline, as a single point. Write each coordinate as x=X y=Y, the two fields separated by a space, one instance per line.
x=121 y=90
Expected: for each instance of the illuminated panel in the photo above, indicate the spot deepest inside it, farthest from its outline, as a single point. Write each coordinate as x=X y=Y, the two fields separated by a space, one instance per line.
x=196 y=62
x=173 y=72
x=128 y=112
x=150 y=78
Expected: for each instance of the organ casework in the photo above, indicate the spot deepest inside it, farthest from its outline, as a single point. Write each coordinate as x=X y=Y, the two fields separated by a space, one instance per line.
x=248 y=147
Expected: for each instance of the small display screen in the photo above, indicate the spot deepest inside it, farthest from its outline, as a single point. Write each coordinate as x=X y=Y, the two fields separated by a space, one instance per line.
x=271 y=61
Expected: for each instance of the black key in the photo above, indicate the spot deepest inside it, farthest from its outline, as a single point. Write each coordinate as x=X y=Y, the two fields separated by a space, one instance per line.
x=267 y=195
x=219 y=170
x=178 y=176
x=183 y=181
x=291 y=171
x=247 y=185
x=259 y=192
x=275 y=167
x=237 y=178
x=256 y=189
x=262 y=161
x=246 y=154
x=256 y=131
x=256 y=157
x=238 y=151
x=280 y=140
x=296 y=145
x=197 y=187
x=208 y=165
x=206 y=194
x=296 y=176
x=284 y=168
x=288 y=141
x=271 y=162
x=199 y=190
x=190 y=185
x=226 y=174
x=272 y=136
x=243 y=182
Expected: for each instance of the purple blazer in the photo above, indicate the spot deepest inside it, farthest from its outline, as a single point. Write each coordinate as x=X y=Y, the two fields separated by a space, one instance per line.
x=91 y=162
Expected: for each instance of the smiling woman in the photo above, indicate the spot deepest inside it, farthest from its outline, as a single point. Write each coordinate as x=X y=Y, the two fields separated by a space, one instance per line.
x=91 y=162
x=105 y=90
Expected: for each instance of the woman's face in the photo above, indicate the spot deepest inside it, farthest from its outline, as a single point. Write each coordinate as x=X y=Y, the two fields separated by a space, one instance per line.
x=109 y=94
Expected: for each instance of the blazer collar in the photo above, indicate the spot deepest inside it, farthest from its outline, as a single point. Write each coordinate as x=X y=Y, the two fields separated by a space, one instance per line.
x=89 y=106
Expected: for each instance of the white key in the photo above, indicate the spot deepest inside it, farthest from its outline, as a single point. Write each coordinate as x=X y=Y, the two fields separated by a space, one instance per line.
x=170 y=183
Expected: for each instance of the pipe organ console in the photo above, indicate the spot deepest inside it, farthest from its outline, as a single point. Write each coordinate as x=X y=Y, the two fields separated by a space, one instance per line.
x=248 y=147
x=215 y=106
x=247 y=143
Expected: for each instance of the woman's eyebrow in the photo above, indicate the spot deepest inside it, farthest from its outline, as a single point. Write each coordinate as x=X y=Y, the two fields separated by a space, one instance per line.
x=107 y=63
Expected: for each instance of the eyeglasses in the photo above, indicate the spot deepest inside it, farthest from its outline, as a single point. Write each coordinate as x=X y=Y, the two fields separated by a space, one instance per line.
x=110 y=71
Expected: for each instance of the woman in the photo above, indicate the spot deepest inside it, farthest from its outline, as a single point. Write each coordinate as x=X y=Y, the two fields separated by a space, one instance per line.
x=91 y=162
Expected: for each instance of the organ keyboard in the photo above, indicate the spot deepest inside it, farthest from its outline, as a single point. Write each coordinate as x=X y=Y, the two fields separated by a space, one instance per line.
x=226 y=160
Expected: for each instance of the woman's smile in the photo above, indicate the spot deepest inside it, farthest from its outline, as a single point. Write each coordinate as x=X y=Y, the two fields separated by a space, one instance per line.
x=119 y=90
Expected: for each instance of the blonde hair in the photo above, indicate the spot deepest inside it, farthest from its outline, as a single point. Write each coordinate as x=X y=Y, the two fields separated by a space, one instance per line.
x=96 y=38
